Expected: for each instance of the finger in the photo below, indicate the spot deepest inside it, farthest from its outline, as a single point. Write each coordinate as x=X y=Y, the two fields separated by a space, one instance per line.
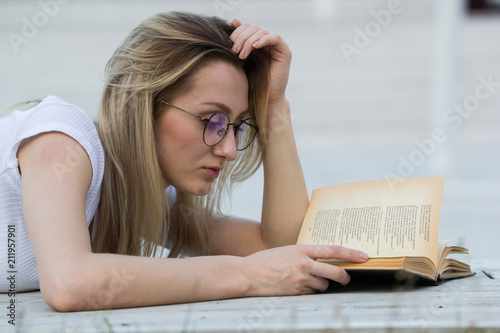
x=238 y=31
x=318 y=283
x=307 y=291
x=335 y=252
x=276 y=42
x=247 y=47
x=331 y=272
x=242 y=37
x=267 y=39
x=235 y=23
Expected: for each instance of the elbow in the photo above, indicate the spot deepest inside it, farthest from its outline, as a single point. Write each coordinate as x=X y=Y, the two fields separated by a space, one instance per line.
x=59 y=301
x=62 y=299
x=67 y=294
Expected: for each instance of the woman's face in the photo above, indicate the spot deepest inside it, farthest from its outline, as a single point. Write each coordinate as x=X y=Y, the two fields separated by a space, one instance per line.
x=185 y=161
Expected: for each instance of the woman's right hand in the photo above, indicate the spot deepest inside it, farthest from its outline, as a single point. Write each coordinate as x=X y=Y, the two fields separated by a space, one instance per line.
x=247 y=37
x=293 y=270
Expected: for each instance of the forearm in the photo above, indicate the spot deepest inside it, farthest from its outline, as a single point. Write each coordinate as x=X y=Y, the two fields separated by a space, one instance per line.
x=118 y=281
x=109 y=281
x=285 y=194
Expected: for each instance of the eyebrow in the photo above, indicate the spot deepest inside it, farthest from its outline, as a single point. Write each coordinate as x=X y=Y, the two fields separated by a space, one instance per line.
x=224 y=108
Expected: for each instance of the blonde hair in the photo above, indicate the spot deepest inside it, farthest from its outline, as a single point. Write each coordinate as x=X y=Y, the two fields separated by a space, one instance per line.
x=154 y=63
x=25 y=105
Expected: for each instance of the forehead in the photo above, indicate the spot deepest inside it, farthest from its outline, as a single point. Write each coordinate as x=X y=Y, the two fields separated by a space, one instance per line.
x=219 y=82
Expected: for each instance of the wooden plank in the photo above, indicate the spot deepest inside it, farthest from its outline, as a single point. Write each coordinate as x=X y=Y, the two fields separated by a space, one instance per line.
x=466 y=304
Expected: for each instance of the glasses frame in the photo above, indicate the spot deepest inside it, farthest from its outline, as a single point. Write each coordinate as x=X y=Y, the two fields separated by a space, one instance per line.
x=236 y=126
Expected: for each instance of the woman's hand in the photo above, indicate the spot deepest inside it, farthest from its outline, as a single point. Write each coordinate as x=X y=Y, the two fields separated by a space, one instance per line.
x=293 y=270
x=247 y=37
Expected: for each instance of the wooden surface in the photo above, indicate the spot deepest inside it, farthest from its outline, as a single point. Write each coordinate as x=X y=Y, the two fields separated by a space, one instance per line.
x=466 y=305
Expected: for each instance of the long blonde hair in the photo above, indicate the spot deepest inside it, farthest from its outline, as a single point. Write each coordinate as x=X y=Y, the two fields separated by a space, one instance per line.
x=154 y=63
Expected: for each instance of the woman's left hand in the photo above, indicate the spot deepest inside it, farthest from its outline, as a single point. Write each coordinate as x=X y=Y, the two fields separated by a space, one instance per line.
x=247 y=37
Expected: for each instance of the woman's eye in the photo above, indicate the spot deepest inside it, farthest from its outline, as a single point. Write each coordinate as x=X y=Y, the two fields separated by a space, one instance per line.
x=212 y=124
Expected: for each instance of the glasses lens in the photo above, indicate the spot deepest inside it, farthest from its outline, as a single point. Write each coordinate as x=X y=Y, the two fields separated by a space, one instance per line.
x=245 y=133
x=215 y=129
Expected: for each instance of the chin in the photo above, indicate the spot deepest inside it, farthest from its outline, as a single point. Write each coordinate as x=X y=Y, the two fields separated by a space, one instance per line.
x=196 y=190
x=201 y=193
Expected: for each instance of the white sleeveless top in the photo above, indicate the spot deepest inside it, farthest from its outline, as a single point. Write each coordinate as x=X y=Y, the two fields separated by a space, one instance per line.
x=18 y=267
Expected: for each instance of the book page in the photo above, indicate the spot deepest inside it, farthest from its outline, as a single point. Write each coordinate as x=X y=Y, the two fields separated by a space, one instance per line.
x=381 y=218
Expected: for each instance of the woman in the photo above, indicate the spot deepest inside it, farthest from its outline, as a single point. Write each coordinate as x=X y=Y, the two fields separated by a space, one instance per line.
x=191 y=104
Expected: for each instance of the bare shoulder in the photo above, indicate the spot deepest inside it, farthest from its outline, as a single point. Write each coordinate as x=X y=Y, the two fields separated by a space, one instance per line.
x=54 y=155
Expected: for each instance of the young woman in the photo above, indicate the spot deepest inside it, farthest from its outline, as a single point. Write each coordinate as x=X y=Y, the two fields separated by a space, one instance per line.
x=192 y=105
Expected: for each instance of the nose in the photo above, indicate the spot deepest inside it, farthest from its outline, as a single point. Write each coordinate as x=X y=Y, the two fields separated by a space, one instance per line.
x=227 y=147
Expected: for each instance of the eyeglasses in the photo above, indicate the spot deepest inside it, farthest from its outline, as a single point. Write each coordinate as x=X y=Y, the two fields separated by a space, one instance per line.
x=217 y=126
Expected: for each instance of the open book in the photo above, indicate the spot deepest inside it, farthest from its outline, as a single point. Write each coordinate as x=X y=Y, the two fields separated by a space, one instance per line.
x=395 y=222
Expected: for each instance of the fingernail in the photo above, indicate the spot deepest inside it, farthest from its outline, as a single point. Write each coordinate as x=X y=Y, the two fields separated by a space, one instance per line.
x=364 y=256
x=256 y=44
x=235 y=48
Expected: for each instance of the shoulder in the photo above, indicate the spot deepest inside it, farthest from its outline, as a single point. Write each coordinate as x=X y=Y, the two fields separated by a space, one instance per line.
x=55 y=115
x=53 y=133
x=63 y=138
x=53 y=160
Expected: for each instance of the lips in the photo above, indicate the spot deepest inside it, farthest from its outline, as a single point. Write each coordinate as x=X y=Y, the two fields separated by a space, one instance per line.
x=213 y=172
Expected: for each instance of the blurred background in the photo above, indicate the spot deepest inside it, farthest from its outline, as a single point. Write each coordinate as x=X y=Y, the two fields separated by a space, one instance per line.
x=379 y=88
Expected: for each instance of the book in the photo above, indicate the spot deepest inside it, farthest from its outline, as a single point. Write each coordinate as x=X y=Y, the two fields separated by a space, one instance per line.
x=394 y=221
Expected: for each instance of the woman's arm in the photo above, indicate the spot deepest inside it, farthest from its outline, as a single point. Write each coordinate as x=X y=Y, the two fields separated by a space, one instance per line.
x=73 y=278
x=285 y=197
